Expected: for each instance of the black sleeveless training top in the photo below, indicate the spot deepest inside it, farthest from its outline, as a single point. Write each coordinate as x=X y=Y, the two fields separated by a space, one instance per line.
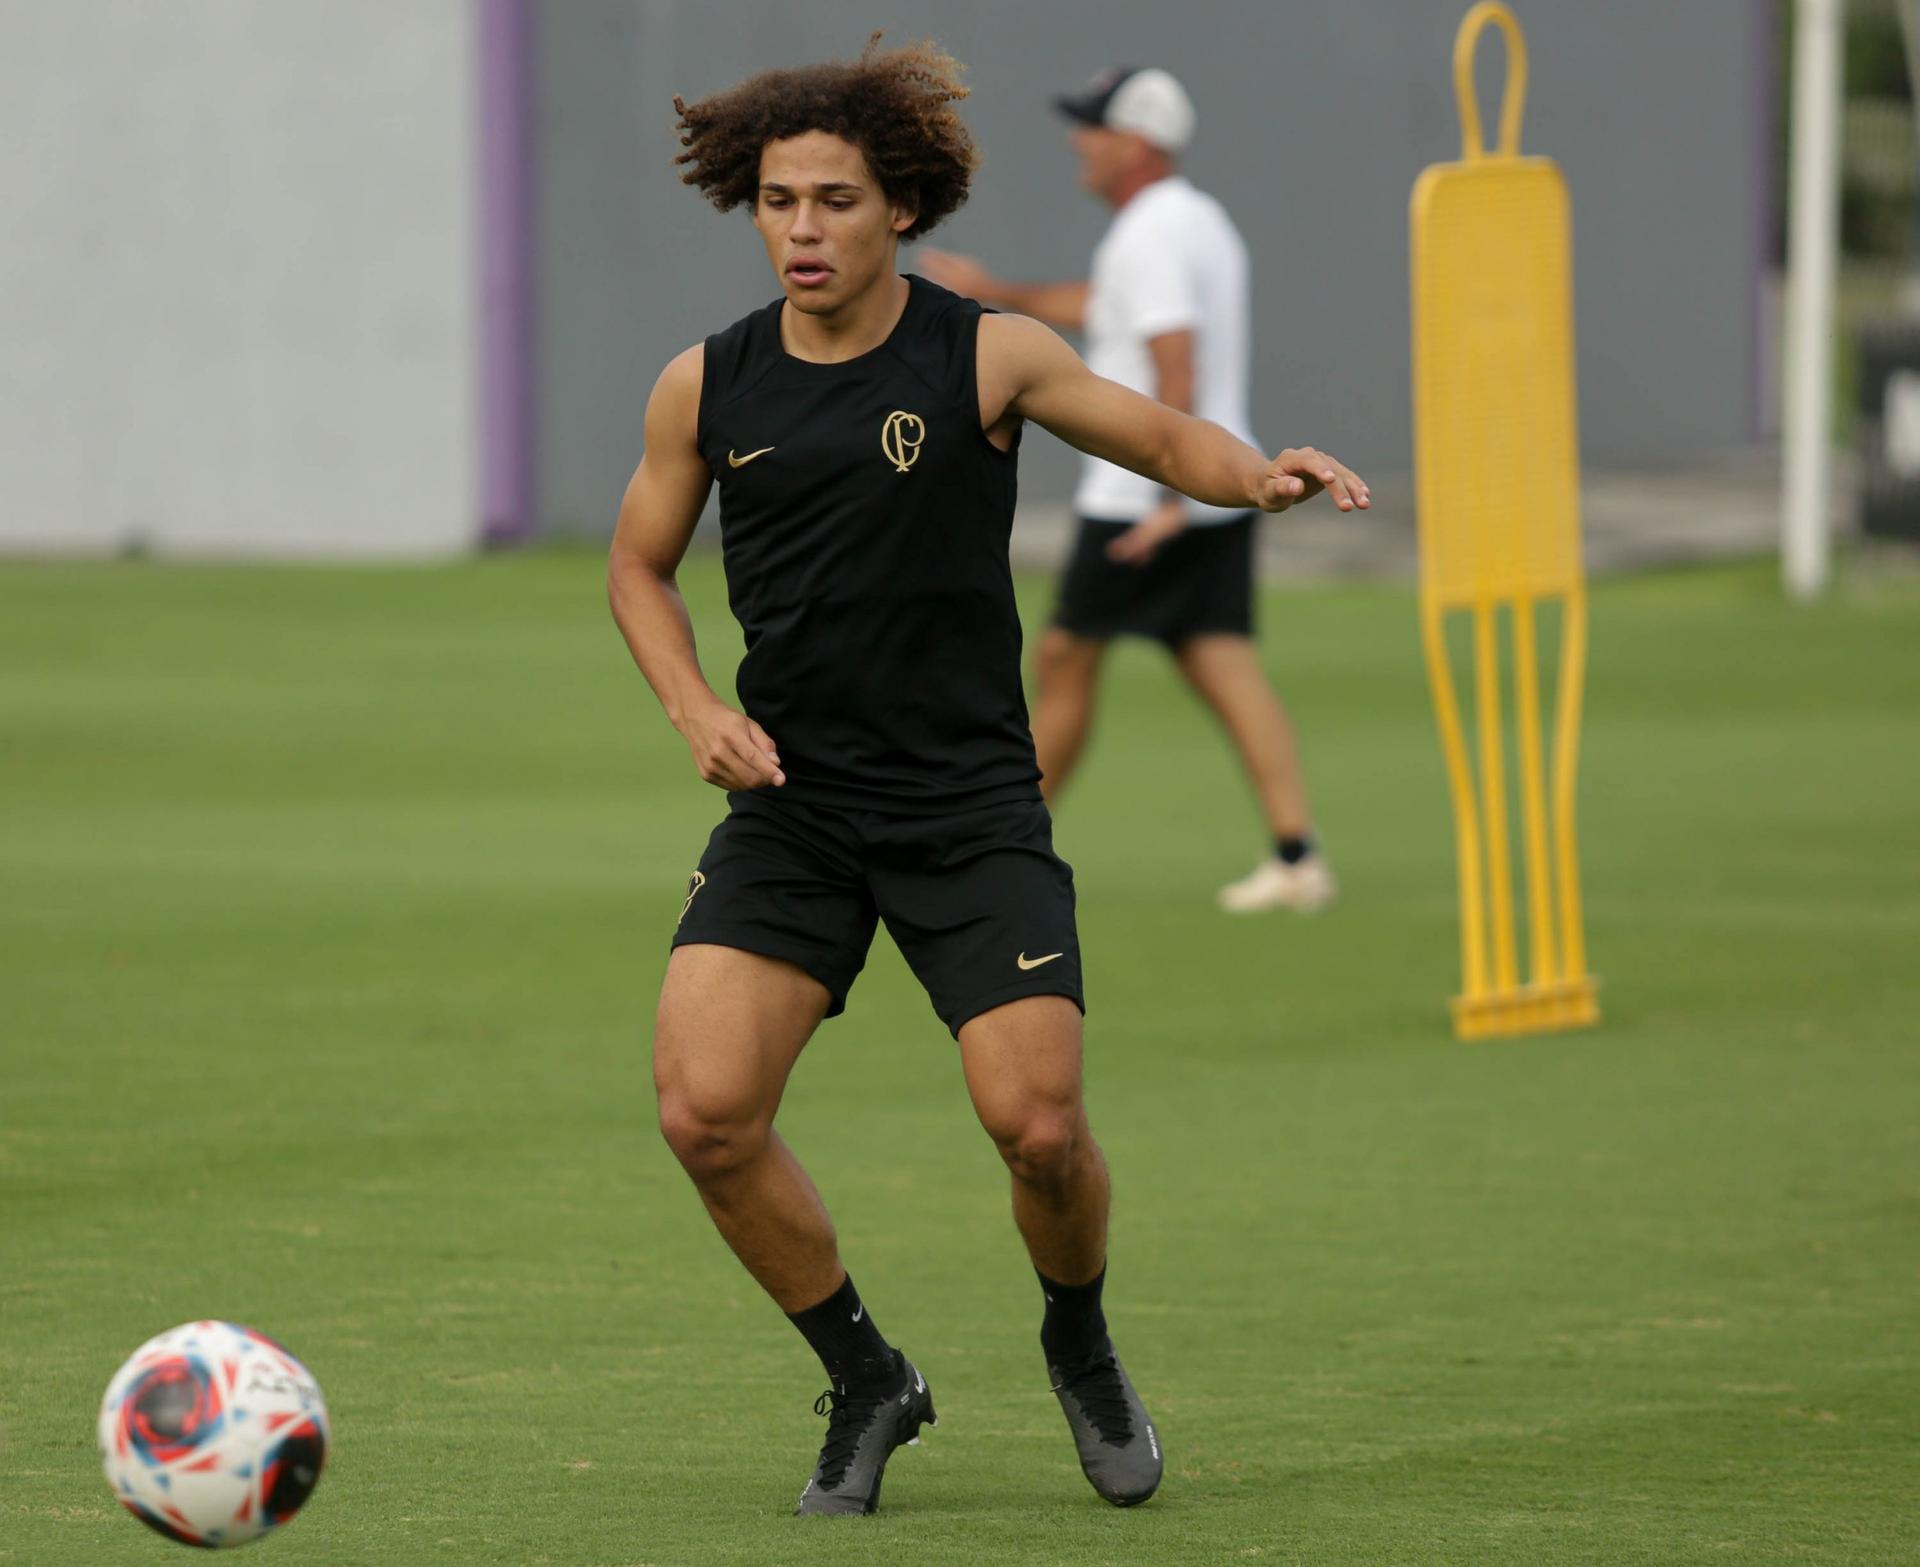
x=864 y=520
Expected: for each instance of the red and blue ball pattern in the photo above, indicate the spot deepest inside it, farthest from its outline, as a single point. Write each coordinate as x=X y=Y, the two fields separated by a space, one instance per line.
x=172 y=1408
x=213 y=1434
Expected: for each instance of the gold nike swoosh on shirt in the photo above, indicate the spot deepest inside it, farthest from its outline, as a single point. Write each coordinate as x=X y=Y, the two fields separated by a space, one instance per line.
x=741 y=462
x=1026 y=962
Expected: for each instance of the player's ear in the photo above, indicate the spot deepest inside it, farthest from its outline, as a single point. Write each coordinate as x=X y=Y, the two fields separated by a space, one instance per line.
x=903 y=218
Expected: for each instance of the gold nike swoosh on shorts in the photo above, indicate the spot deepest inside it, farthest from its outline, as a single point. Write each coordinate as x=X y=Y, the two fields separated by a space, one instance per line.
x=1026 y=962
x=741 y=462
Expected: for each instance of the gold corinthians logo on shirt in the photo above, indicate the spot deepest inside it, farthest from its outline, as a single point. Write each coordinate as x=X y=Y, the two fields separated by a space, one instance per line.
x=900 y=438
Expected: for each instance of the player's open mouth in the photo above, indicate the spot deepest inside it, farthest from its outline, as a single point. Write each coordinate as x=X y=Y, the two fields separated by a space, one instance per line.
x=808 y=272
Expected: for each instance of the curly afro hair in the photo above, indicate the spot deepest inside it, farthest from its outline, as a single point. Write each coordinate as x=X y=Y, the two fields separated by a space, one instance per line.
x=895 y=105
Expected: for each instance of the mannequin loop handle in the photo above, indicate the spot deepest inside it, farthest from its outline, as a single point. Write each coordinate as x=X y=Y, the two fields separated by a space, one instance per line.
x=1482 y=16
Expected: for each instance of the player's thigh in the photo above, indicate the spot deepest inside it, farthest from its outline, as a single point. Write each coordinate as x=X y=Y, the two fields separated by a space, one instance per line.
x=774 y=930
x=784 y=881
x=981 y=908
x=730 y=1026
x=1022 y=1062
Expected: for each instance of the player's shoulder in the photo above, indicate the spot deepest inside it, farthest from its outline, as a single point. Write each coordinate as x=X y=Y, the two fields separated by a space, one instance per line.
x=1004 y=326
x=673 y=408
x=683 y=374
x=933 y=305
x=741 y=354
x=1010 y=342
x=751 y=325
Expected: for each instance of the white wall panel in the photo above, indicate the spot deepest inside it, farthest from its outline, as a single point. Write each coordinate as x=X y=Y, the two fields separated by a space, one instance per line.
x=236 y=277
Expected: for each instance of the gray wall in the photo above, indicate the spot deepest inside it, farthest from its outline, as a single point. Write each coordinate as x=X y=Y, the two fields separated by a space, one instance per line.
x=236 y=280
x=1315 y=119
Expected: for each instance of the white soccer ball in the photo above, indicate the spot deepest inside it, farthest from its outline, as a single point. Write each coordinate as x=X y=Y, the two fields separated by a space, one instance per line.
x=213 y=1434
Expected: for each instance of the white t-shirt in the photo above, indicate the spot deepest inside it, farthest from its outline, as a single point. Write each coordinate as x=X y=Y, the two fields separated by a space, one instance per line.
x=1171 y=259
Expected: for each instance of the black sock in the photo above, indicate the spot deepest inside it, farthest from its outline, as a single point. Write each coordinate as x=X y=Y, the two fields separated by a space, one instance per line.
x=1074 y=1327
x=1293 y=850
x=842 y=1334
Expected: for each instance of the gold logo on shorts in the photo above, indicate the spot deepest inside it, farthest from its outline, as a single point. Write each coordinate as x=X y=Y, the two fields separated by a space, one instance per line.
x=900 y=438
x=694 y=883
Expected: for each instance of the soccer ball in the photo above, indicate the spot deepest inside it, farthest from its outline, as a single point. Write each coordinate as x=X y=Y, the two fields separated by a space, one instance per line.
x=212 y=1434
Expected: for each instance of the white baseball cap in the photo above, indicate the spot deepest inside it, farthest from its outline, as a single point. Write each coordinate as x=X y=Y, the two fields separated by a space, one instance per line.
x=1148 y=101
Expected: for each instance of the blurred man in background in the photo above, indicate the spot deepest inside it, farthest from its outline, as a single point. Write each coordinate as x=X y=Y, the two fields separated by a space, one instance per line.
x=1164 y=313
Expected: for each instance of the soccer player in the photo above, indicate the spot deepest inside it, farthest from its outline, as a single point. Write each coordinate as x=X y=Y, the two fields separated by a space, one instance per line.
x=1165 y=312
x=863 y=429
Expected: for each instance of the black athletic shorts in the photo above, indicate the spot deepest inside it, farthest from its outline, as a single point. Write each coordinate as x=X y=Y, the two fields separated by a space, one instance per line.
x=1199 y=581
x=977 y=901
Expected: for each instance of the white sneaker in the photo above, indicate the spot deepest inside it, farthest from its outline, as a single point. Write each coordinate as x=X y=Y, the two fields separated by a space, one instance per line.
x=1306 y=887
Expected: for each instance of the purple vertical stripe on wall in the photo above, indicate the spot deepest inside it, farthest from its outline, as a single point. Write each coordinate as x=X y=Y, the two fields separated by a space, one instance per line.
x=1767 y=142
x=506 y=269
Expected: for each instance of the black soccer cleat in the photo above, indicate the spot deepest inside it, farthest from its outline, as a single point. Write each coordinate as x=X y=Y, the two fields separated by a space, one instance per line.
x=864 y=1426
x=1119 y=1452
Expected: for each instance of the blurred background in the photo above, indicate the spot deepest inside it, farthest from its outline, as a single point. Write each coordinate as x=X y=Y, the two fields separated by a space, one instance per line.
x=341 y=844
x=350 y=279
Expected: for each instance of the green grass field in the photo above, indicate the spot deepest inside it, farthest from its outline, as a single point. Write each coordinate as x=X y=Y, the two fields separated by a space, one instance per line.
x=336 y=902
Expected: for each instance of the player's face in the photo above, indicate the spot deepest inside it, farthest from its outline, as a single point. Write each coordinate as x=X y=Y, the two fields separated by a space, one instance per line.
x=829 y=229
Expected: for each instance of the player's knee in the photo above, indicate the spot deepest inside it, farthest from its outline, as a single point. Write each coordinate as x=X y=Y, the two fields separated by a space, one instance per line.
x=1039 y=1147
x=709 y=1146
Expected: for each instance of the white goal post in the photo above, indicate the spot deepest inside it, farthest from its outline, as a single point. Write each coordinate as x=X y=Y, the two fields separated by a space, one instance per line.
x=1813 y=243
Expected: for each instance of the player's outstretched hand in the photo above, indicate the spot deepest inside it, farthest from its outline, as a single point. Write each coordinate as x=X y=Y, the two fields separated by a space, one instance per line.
x=1300 y=473
x=731 y=750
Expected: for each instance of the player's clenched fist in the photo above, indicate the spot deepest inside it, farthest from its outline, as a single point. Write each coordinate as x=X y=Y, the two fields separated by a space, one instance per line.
x=1300 y=473
x=730 y=749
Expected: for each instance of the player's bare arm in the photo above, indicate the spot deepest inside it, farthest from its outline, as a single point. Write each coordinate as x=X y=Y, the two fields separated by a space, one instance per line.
x=1173 y=380
x=1062 y=305
x=657 y=517
x=1027 y=372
